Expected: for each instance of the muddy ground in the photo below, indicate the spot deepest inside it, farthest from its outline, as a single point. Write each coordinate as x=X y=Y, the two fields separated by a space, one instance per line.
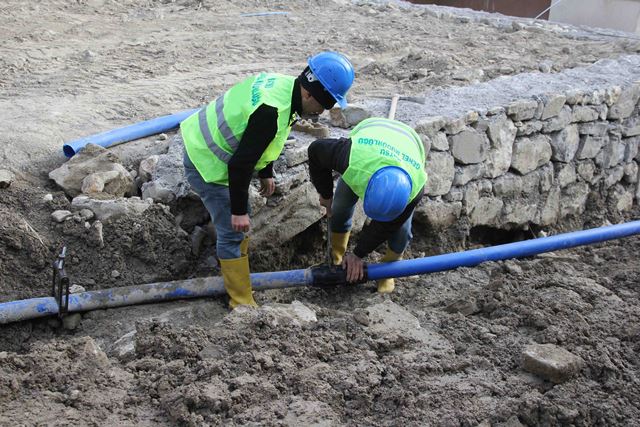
x=444 y=349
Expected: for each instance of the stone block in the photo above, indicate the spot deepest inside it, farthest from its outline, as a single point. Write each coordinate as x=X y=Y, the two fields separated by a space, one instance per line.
x=631 y=173
x=573 y=199
x=455 y=125
x=528 y=127
x=630 y=148
x=294 y=155
x=469 y=147
x=550 y=208
x=589 y=146
x=439 y=142
x=586 y=169
x=464 y=174
x=552 y=105
x=502 y=133
x=625 y=104
x=550 y=362
x=613 y=176
x=611 y=154
x=522 y=110
x=438 y=214
x=621 y=199
x=631 y=127
x=530 y=153
x=593 y=128
x=519 y=212
x=559 y=122
x=430 y=125
x=485 y=211
x=565 y=174
x=582 y=113
x=440 y=172
x=564 y=144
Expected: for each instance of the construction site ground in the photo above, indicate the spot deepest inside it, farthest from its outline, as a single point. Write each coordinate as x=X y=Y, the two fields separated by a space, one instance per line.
x=443 y=349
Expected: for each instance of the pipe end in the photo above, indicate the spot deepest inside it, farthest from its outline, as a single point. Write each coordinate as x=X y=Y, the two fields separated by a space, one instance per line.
x=68 y=151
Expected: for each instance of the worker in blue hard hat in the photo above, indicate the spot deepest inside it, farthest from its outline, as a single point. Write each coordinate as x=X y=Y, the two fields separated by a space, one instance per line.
x=242 y=131
x=382 y=163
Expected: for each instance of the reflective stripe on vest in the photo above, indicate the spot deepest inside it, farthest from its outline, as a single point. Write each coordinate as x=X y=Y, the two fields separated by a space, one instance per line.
x=213 y=134
x=224 y=129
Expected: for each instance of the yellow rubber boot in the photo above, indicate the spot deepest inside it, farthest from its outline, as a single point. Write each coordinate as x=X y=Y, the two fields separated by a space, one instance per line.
x=237 y=281
x=339 y=243
x=244 y=247
x=386 y=286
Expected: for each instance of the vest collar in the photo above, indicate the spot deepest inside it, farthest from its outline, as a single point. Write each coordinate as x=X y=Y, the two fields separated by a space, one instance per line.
x=296 y=102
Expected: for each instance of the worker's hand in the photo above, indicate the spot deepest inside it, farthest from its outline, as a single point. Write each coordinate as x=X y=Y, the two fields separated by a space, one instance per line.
x=240 y=223
x=354 y=266
x=267 y=187
x=327 y=205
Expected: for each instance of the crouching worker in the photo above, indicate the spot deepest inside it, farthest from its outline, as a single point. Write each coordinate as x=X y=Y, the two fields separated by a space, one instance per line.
x=381 y=163
x=244 y=130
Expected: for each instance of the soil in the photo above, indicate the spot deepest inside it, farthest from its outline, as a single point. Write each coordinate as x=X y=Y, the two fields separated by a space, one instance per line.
x=443 y=349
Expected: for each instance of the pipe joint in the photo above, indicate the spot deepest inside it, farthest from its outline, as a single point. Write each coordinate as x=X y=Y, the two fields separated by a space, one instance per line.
x=325 y=275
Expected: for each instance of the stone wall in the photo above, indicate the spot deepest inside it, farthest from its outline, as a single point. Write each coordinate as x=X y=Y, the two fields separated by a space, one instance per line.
x=533 y=161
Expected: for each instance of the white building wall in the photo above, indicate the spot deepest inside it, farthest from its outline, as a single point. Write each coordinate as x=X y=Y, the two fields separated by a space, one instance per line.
x=617 y=14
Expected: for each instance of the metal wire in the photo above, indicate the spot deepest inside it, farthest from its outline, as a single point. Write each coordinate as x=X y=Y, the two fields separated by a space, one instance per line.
x=548 y=9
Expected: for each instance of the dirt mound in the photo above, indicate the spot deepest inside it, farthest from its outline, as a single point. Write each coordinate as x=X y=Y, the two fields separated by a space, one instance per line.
x=443 y=349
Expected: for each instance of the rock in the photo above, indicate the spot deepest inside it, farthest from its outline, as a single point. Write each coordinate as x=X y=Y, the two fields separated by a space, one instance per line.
x=502 y=134
x=545 y=66
x=438 y=214
x=530 y=153
x=96 y=231
x=147 y=168
x=71 y=321
x=465 y=307
x=93 y=159
x=551 y=362
x=197 y=236
x=485 y=211
x=312 y=128
x=76 y=289
x=469 y=147
x=522 y=110
x=6 y=178
x=105 y=209
x=47 y=197
x=624 y=105
x=294 y=155
x=86 y=214
x=440 y=172
x=60 y=215
x=552 y=105
x=564 y=144
x=349 y=117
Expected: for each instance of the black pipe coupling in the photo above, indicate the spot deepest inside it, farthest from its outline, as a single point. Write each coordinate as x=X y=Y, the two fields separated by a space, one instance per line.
x=332 y=275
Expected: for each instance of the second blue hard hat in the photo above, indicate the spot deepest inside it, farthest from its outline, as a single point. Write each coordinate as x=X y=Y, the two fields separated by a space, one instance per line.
x=335 y=72
x=387 y=193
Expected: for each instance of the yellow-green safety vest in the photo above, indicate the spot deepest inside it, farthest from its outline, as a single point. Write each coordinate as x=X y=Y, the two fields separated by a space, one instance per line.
x=380 y=142
x=213 y=134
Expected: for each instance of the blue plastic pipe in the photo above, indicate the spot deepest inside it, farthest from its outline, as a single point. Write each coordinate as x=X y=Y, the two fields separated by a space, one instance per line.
x=34 y=308
x=15 y=311
x=128 y=133
x=495 y=253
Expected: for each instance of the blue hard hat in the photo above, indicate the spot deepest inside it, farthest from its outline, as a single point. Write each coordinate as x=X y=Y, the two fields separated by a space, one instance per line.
x=387 y=193
x=335 y=72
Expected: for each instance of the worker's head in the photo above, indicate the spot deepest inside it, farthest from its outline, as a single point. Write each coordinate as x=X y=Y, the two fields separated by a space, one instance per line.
x=387 y=193
x=325 y=81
